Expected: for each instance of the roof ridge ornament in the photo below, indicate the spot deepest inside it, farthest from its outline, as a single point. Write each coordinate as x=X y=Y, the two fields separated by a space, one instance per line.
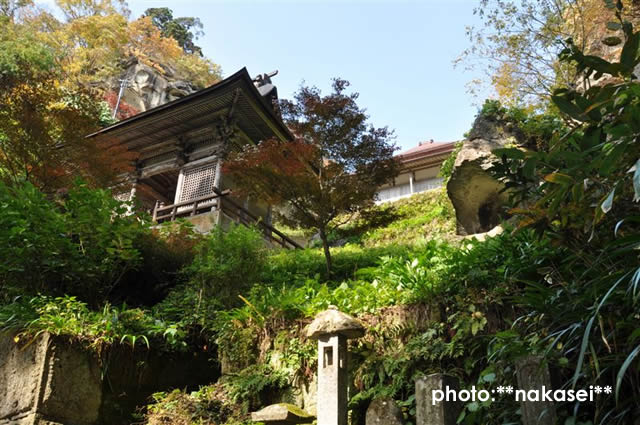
x=266 y=88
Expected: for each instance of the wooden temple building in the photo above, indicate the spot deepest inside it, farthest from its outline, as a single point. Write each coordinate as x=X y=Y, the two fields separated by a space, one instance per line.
x=180 y=146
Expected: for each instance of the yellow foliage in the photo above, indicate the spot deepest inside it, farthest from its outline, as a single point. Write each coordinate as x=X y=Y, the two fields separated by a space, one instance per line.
x=146 y=42
x=97 y=40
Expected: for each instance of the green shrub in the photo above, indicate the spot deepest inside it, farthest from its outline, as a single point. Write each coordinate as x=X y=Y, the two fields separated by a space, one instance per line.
x=228 y=263
x=408 y=221
x=67 y=316
x=81 y=243
x=446 y=168
x=256 y=386
x=296 y=266
x=164 y=252
x=199 y=407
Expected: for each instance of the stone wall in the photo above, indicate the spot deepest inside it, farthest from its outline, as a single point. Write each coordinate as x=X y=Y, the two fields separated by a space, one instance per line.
x=45 y=381
x=49 y=380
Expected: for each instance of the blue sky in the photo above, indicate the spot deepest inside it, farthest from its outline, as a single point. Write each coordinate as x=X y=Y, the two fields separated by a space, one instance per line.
x=397 y=54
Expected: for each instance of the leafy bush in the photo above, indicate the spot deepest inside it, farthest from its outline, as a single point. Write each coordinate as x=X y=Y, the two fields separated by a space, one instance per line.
x=79 y=243
x=164 y=251
x=67 y=316
x=255 y=386
x=581 y=192
x=205 y=406
x=227 y=263
x=446 y=168
x=295 y=267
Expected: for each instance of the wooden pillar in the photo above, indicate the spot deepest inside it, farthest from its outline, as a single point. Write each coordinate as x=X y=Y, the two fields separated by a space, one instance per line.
x=132 y=195
x=217 y=181
x=411 y=178
x=176 y=198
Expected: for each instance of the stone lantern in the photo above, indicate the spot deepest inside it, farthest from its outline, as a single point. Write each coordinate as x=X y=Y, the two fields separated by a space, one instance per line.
x=332 y=328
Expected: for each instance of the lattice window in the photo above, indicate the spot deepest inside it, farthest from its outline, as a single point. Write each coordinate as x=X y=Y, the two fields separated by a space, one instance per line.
x=197 y=182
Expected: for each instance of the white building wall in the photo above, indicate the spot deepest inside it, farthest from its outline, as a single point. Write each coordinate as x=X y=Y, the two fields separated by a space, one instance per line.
x=400 y=191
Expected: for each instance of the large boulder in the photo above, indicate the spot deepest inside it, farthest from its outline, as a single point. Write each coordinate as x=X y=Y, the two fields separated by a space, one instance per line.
x=476 y=196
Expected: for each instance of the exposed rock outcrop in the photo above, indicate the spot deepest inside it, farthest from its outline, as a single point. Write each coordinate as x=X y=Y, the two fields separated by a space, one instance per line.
x=476 y=196
x=148 y=87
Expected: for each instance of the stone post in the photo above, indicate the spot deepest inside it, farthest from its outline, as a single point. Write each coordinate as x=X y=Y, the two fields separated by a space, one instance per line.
x=533 y=374
x=442 y=412
x=332 y=328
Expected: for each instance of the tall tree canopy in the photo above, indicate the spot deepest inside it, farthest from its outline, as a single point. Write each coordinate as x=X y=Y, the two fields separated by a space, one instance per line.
x=519 y=42
x=183 y=30
x=43 y=124
x=95 y=41
x=334 y=166
x=55 y=75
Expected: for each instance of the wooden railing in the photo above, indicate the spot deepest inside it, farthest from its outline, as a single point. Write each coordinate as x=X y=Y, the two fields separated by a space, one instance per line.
x=224 y=204
x=194 y=207
x=241 y=215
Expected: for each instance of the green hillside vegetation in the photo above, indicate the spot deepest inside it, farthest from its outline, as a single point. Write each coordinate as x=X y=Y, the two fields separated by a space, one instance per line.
x=407 y=221
x=561 y=282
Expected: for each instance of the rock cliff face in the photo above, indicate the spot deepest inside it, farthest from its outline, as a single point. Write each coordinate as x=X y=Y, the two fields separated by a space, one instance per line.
x=474 y=193
x=147 y=87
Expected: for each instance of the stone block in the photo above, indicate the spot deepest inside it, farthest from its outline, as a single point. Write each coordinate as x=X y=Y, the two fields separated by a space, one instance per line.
x=384 y=411
x=429 y=412
x=50 y=381
x=533 y=374
x=282 y=414
x=42 y=382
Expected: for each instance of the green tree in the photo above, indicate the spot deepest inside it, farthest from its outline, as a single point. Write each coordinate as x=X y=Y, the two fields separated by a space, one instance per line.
x=8 y=8
x=334 y=166
x=582 y=192
x=184 y=30
x=78 y=242
x=518 y=43
x=43 y=125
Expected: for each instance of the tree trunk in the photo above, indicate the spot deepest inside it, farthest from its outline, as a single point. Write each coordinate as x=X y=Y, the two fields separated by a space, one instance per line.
x=327 y=253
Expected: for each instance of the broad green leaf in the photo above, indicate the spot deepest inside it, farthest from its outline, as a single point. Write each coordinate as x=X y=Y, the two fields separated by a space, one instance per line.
x=512 y=153
x=489 y=377
x=621 y=99
x=567 y=107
